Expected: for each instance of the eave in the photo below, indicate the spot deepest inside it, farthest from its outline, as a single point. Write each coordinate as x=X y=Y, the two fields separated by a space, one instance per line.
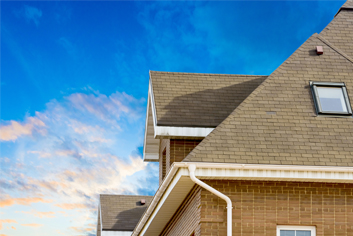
x=177 y=185
x=154 y=132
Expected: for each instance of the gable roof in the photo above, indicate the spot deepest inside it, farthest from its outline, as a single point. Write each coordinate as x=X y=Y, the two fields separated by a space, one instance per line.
x=277 y=123
x=198 y=100
x=340 y=30
x=121 y=212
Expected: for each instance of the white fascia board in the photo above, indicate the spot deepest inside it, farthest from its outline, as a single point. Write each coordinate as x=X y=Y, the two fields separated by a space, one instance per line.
x=146 y=125
x=181 y=131
x=116 y=233
x=100 y=214
x=161 y=201
x=153 y=106
x=227 y=171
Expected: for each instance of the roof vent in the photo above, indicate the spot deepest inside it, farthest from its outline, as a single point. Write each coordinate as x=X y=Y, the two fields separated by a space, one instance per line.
x=143 y=201
x=319 y=50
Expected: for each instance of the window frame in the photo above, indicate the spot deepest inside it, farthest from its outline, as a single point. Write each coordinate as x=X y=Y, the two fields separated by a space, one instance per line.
x=296 y=227
x=317 y=102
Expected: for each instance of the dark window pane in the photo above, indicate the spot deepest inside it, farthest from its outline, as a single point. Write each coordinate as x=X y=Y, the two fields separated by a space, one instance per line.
x=303 y=233
x=287 y=233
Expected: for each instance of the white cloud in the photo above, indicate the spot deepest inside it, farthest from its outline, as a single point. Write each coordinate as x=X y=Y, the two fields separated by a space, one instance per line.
x=30 y=13
x=89 y=147
x=14 y=130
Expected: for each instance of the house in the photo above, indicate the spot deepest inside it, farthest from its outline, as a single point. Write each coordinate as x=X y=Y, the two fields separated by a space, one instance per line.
x=249 y=155
x=119 y=214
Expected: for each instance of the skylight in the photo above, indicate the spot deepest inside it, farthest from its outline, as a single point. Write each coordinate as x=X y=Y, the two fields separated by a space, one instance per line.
x=331 y=98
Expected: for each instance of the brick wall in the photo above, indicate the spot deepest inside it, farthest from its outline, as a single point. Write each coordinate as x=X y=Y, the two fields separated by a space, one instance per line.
x=186 y=220
x=175 y=151
x=259 y=206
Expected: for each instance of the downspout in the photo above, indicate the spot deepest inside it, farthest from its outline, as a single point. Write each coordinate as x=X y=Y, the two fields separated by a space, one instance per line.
x=192 y=169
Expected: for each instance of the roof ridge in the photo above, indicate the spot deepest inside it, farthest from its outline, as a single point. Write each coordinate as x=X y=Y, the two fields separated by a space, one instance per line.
x=205 y=74
x=333 y=47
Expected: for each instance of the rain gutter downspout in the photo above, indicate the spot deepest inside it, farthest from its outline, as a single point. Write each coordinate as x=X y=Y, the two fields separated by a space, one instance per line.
x=192 y=169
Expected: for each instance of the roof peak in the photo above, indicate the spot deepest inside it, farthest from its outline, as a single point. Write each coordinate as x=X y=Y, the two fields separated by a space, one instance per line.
x=348 y=5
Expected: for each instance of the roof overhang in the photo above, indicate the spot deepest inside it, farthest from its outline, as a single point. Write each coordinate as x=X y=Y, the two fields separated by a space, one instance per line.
x=154 y=132
x=177 y=184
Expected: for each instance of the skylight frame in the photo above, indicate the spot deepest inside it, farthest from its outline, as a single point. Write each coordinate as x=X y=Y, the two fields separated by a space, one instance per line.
x=318 y=106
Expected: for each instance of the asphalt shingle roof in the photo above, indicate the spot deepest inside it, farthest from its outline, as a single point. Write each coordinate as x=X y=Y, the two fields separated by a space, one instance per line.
x=340 y=31
x=122 y=212
x=277 y=123
x=199 y=100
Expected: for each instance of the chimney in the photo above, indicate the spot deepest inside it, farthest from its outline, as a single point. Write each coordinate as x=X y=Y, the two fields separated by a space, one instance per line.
x=143 y=201
x=319 y=50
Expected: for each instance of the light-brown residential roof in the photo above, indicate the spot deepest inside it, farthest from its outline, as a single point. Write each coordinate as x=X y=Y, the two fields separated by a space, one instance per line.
x=277 y=123
x=122 y=212
x=340 y=31
x=199 y=100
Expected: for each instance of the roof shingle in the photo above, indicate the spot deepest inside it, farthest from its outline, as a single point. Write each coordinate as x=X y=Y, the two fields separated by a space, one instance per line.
x=122 y=212
x=277 y=123
x=199 y=100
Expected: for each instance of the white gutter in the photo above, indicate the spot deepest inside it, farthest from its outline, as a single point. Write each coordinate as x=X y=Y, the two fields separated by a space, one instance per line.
x=274 y=171
x=192 y=169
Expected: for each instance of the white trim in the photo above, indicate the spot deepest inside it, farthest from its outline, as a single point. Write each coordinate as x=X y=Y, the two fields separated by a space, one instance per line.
x=150 y=92
x=116 y=233
x=162 y=200
x=312 y=229
x=160 y=131
x=100 y=214
x=227 y=171
x=146 y=125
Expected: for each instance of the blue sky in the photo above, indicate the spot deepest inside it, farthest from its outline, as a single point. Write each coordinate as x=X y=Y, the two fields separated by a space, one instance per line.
x=74 y=82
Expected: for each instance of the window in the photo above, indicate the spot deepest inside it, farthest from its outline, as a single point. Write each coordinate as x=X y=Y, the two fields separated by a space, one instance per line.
x=290 y=230
x=331 y=98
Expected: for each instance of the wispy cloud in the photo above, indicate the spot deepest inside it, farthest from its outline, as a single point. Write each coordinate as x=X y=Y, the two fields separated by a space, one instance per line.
x=30 y=13
x=14 y=130
x=71 y=206
x=33 y=225
x=6 y=221
x=89 y=147
x=40 y=214
x=68 y=46
x=8 y=201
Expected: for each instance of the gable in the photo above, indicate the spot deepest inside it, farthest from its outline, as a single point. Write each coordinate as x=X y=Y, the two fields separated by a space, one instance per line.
x=198 y=100
x=277 y=123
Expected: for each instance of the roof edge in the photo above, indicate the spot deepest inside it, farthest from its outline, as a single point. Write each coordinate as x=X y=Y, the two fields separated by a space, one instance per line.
x=344 y=8
x=205 y=74
x=254 y=172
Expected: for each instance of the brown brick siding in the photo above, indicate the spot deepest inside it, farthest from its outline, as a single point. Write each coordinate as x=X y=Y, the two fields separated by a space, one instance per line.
x=164 y=153
x=259 y=206
x=186 y=220
x=175 y=151
x=180 y=148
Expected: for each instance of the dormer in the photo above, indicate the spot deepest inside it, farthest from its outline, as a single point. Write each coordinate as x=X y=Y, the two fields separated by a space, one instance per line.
x=183 y=108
